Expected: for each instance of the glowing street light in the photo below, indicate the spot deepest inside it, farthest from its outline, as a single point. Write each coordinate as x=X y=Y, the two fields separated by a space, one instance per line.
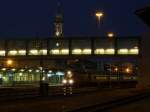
x=128 y=70
x=116 y=69
x=110 y=35
x=9 y=62
x=99 y=15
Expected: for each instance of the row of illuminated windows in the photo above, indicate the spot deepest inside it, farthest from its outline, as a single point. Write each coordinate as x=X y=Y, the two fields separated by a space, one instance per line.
x=100 y=51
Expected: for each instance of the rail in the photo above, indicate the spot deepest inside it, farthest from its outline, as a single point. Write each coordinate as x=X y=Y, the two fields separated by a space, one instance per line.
x=113 y=104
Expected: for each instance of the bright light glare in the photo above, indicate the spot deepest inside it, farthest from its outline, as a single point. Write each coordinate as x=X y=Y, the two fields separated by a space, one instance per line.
x=99 y=14
x=9 y=62
x=64 y=81
x=71 y=81
x=110 y=34
x=2 y=53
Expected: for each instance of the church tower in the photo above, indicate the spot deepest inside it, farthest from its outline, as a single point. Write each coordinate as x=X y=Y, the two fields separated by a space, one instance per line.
x=58 y=22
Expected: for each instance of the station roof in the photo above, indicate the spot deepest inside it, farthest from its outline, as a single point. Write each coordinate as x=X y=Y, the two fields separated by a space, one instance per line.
x=144 y=14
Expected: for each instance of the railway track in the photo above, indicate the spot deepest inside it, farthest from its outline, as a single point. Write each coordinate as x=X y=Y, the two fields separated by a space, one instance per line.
x=106 y=107
x=15 y=94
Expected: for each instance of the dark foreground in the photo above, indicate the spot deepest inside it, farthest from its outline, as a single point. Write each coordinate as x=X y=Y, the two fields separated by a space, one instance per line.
x=60 y=103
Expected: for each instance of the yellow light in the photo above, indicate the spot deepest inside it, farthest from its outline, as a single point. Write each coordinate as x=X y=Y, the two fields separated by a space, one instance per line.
x=134 y=51
x=110 y=35
x=64 y=51
x=57 y=44
x=128 y=70
x=13 y=69
x=22 y=52
x=55 y=51
x=20 y=74
x=64 y=81
x=43 y=52
x=13 y=52
x=43 y=78
x=77 y=51
x=57 y=33
x=116 y=69
x=2 y=53
x=30 y=70
x=50 y=71
x=37 y=71
x=71 y=81
x=69 y=72
x=99 y=51
x=34 y=52
x=136 y=47
x=109 y=51
x=9 y=62
x=86 y=51
x=99 y=14
x=123 y=51
x=3 y=69
x=22 y=70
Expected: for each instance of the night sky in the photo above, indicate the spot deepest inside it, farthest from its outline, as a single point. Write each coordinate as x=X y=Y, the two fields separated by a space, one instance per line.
x=31 y=18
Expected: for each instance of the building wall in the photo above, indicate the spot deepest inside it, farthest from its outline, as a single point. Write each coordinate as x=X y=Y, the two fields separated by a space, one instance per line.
x=144 y=76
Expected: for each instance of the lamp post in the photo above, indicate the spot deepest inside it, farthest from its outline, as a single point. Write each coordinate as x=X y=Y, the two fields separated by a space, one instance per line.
x=99 y=15
x=9 y=63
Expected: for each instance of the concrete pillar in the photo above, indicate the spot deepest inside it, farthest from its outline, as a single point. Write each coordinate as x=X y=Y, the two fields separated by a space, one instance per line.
x=144 y=74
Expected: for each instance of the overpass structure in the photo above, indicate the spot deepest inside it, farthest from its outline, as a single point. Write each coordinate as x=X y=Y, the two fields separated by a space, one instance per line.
x=32 y=60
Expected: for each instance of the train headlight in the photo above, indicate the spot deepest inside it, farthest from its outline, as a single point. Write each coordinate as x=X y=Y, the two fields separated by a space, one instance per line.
x=64 y=81
x=71 y=81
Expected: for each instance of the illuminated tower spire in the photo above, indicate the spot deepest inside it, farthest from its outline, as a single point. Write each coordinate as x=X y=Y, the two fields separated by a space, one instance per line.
x=58 y=22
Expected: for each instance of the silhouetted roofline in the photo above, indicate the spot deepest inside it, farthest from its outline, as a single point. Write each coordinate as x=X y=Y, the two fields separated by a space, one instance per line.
x=144 y=14
x=66 y=38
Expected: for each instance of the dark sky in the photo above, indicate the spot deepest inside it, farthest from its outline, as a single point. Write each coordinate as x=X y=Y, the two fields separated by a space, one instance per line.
x=27 y=18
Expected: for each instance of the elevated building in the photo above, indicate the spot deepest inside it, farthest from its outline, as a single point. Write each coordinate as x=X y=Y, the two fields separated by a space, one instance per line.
x=27 y=61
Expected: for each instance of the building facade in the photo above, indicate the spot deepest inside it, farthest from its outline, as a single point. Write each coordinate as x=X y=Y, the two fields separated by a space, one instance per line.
x=28 y=61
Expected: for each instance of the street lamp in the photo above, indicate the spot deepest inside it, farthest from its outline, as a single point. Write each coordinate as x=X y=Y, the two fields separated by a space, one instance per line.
x=110 y=35
x=99 y=15
x=9 y=62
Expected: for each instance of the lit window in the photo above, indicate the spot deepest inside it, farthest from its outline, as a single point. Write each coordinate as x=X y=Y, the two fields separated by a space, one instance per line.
x=134 y=51
x=12 y=52
x=86 y=51
x=20 y=74
x=43 y=52
x=2 y=52
x=13 y=69
x=109 y=51
x=30 y=70
x=33 y=52
x=64 y=51
x=22 y=70
x=22 y=52
x=77 y=51
x=3 y=69
x=99 y=51
x=60 y=73
x=123 y=51
x=37 y=71
x=55 y=51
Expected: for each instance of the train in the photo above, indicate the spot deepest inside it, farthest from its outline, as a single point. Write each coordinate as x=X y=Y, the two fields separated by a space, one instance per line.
x=95 y=80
